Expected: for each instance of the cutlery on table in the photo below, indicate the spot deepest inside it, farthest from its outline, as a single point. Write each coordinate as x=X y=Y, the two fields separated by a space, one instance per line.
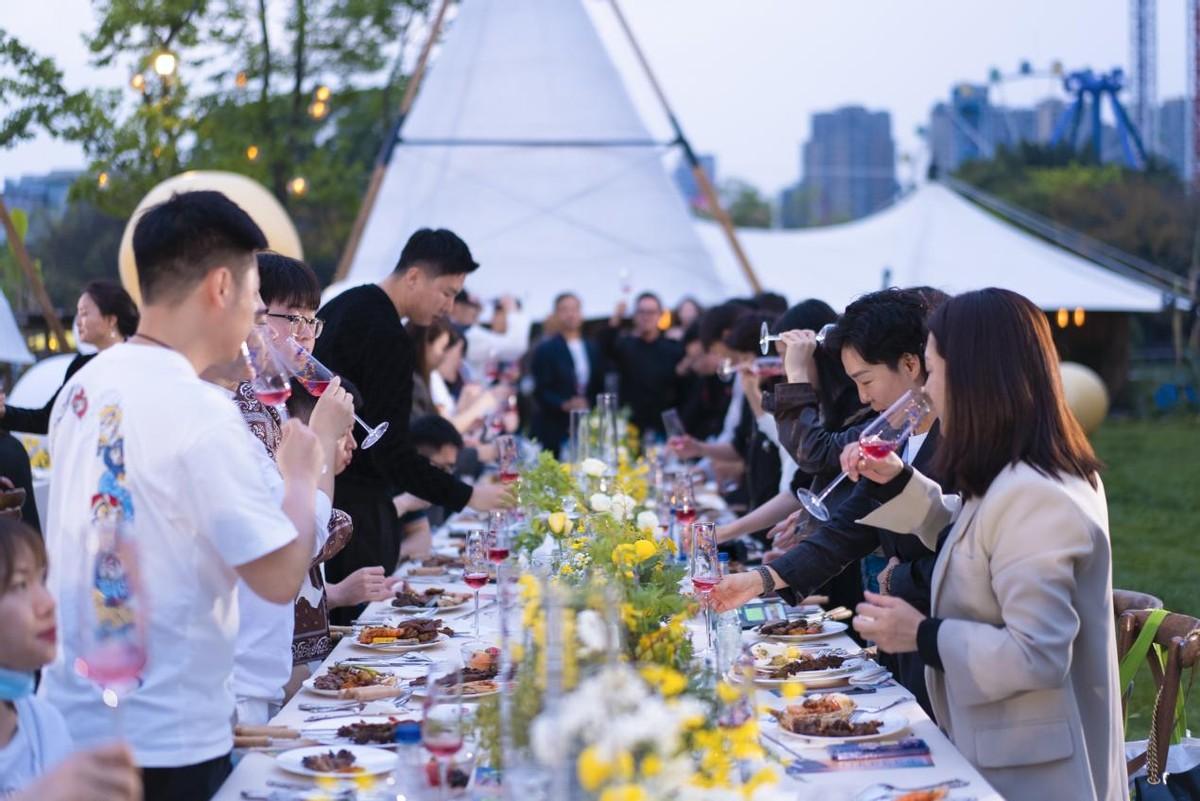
x=883 y=790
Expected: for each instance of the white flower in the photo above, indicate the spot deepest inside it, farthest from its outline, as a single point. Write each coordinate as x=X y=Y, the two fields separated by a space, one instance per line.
x=593 y=467
x=591 y=631
x=600 y=502
x=647 y=521
x=622 y=506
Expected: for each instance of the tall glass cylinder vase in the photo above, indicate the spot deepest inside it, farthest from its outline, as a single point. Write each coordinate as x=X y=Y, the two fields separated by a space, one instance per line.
x=579 y=445
x=606 y=406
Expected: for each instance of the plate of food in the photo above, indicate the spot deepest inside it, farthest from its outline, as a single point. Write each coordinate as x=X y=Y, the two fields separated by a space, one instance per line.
x=406 y=635
x=478 y=676
x=341 y=677
x=774 y=664
x=832 y=723
x=434 y=566
x=409 y=599
x=800 y=629
x=350 y=761
x=369 y=730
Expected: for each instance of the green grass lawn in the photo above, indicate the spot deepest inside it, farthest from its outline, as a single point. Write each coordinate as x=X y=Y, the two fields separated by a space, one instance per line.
x=1153 y=485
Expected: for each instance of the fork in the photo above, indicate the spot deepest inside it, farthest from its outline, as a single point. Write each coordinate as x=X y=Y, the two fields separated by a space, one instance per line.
x=883 y=788
x=871 y=710
x=332 y=707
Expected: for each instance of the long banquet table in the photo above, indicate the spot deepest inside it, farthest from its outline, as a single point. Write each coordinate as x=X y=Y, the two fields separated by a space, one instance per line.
x=254 y=769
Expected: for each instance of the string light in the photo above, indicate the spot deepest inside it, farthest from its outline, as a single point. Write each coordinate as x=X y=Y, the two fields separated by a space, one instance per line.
x=102 y=180
x=165 y=64
x=138 y=82
x=664 y=321
x=1079 y=315
x=318 y=110
x=252 y=152
x=298 y=186
x=323 y=93
x=1062 y=318
x=240 y=80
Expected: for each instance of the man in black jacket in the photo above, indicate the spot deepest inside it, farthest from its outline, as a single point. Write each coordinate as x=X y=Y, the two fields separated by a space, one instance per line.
x=567 y=374
x=881 y=339
x=645 y=362
x=365 y=341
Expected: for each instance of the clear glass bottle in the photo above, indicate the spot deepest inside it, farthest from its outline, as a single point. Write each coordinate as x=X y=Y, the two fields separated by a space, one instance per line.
x=408 y=779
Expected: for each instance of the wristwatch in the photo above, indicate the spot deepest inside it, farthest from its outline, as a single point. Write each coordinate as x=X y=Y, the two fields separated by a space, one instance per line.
x=768 y=582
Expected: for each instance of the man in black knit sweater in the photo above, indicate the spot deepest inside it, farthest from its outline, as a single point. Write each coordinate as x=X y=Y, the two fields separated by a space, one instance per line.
x=365 y=341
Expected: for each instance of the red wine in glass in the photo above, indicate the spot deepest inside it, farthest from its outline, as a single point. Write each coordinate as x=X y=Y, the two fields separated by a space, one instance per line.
x=686 y=514
x=443 y=745
x=273 y=397
x=876 y=448
x=496 y=555
x=316 y=386
x=114 y=663
x=705 y=584
x=509 y=477
x=476 y=580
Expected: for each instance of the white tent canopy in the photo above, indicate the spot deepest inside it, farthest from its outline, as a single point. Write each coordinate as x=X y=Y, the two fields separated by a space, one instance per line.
x=592 y=200
x=12 y=344
x=933 y=237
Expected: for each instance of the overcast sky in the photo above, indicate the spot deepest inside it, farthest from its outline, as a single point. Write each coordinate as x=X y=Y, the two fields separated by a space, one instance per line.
x=745 y=75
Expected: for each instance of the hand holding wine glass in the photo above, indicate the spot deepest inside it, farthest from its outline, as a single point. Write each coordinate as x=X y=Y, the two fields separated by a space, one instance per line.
x=705 y=566
x=882 y=437
x=507 y=455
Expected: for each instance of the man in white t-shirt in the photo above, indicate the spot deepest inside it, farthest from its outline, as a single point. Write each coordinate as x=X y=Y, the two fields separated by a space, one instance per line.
x=139 y=436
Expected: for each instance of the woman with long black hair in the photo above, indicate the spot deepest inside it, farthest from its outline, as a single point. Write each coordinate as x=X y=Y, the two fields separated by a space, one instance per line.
x=1019 y=642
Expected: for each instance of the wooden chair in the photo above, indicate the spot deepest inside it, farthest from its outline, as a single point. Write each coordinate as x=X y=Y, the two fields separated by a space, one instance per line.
x=1179 y=635
x=1131 y=600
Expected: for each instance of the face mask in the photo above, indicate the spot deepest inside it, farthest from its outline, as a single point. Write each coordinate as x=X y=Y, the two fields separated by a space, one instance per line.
x=15 y=684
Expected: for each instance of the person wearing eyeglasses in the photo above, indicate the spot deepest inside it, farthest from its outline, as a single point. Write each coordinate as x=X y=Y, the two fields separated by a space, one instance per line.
x=645 y=360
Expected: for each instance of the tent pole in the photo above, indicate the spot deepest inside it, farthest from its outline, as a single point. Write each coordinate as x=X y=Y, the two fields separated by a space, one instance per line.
x=35 y=281
x=701 y=178
x=389 y=144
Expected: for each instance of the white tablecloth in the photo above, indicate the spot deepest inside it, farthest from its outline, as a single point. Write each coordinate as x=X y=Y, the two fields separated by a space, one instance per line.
x=253 y=771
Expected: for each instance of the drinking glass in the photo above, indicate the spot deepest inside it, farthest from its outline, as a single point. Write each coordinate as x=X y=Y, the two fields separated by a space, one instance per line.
x=475 y=567
x=767 y=367
x=271 y=383
x=885 y=434
x=673 y=425
x=765 y=337
x=685 y=499
x=443 y=720
x=111 y=623
x=499 y=542
x=315 y=377
x=507 y=455
x=705 y=568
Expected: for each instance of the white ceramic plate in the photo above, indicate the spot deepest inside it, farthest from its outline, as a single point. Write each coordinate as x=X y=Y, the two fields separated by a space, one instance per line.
x=893 y=724
x=371 y=761
x=308 y=685
x=828 y=629
x=394 y=648
x=419 y=691
x=412 y=610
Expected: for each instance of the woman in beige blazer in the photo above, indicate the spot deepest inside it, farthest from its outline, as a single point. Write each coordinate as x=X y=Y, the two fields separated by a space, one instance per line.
x=1020 y=637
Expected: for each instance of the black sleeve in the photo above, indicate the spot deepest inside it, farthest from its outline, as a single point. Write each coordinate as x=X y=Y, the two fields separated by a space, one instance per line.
x=544 y=390
x=383 y=374
x=927 y=642
x=827 y=551
x=886 y=492
x=37 y=421
x=815 y=448
x=913 y=582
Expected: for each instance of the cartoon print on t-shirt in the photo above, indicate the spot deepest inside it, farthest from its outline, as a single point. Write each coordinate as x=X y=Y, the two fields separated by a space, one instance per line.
x=111 y=496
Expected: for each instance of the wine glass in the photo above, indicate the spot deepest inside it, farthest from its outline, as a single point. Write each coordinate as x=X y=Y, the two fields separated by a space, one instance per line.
x=767 y=367
x=271 y=383
x=506 y=458
x=705 y=568
x=111 y=614
x=475 y=567
x=673 y=424
x=685 y=499
x=885 y=434
x=728 y=369
x=315 y=377
x=499 y=541
x=765 y=337
x=443 y=720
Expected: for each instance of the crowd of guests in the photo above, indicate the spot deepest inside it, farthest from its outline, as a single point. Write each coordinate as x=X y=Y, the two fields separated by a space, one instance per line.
x=976 y=554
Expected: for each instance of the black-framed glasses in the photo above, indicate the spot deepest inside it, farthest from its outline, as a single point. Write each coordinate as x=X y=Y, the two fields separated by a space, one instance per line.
x=299 y=323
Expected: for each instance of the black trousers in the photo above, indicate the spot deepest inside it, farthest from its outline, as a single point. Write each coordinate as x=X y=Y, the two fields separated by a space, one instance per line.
x=198 y=782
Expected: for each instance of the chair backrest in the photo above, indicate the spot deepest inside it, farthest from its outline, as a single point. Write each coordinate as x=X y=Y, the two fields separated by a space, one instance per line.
x=1128 y=600
x=1179 y=636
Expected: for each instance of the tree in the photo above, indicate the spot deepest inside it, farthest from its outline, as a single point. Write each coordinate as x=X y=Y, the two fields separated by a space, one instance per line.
x=746 y=206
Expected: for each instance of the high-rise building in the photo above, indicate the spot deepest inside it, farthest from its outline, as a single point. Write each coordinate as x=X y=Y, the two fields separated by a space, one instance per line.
x=1172 y=131
x=42 y=197
x=1047 y=113
x=962 y=130
x=849 y=168
x=686 y=181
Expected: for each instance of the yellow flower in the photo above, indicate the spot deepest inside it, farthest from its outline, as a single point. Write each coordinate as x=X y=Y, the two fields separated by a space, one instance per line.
x=560 y=525
x=644 y=549
x=593 y=771
x=791 y=689
x=727 y=692
x=667 y=681
x=624 y=792
x=651 y=766
x=764 y=777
